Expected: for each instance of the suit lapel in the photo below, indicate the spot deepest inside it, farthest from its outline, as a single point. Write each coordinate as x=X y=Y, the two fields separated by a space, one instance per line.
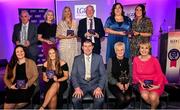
x=92 y=63
x=85 y=23
x=95 y=23
x=83 y=63
x=19 y=30
x=29 y=31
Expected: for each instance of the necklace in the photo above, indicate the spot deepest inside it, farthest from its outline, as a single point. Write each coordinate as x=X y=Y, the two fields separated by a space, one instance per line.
x=120 y=62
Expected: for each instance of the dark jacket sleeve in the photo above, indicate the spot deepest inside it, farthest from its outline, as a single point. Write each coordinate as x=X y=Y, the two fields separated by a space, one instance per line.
x=33 y=39
x=81 y=31
x=15 y=34
x=101 y=28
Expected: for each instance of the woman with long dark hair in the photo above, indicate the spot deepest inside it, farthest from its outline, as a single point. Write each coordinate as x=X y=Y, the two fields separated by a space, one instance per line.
x=55 y=74
x=20 y=79
x=117 y=26
x=142 y=28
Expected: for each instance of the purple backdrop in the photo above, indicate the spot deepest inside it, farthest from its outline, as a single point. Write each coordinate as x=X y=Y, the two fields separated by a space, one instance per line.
x=157 y=10
x=9 y=17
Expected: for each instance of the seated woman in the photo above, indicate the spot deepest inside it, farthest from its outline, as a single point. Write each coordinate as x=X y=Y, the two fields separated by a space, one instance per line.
x=55 y=74
x=147 y=72
x=118 y=76
x=20 y=78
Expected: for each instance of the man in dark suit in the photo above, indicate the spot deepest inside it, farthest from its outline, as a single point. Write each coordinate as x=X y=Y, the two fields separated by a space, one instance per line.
x=25 y=33
x=88 y=76
x=91 y=28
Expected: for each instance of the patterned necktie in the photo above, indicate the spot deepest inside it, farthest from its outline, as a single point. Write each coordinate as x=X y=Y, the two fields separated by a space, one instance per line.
x=91 y=24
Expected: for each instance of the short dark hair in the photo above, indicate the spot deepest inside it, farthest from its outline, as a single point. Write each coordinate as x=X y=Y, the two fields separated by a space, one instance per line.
x=87 y=41
x=113 y=8
x=143 y=10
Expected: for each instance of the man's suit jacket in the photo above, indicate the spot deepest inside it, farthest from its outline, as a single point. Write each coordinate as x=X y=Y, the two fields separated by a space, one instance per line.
x=32 y=37
x=98 y=73
x=82 y=29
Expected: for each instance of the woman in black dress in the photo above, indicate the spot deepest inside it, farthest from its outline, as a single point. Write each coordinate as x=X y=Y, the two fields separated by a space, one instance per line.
x=20 y=79
x=55 y=74
x=118 y=76
x=47 y=32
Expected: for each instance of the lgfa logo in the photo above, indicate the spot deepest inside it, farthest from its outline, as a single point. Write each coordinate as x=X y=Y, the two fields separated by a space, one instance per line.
x=80 y=11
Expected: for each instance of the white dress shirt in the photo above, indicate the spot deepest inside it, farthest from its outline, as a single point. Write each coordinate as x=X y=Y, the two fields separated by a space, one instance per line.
x=88 y=60
x=24 y=33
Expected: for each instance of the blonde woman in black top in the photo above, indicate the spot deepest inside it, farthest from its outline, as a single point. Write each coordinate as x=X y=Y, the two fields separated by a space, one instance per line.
x=47 y=32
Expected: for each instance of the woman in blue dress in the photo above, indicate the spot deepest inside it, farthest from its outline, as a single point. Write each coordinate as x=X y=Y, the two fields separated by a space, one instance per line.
x=117 y=26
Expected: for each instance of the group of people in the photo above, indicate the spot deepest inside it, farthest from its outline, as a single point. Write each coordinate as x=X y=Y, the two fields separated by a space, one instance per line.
x=127 y=40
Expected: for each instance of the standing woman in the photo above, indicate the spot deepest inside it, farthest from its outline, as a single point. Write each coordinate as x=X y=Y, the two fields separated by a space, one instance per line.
x=142 y=28
x=20 y=69
x=147 y=72
x=67 y=35
x=55 y=74
x=47 y=32
x=117 y=26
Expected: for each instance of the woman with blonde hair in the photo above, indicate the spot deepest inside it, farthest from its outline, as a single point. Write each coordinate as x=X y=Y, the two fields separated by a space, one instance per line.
x=148 y=74
x=67 y=35
x=47 y=32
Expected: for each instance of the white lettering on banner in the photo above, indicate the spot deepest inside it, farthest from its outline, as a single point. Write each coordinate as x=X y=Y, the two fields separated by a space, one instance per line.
x=80 y=11
x=41 y=21
x=32 y=11
x=37 y=16
x=34 y=21
x=41 y=11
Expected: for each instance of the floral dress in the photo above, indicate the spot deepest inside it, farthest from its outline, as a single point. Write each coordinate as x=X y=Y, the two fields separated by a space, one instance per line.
x=144 y=25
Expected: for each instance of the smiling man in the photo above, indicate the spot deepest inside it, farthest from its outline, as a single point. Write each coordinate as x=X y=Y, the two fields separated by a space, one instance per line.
x=25 y=33
x=88 y=76
x=91 y=28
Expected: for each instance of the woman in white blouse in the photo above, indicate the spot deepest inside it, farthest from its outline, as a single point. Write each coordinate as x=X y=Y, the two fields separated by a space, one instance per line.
x=67 y=35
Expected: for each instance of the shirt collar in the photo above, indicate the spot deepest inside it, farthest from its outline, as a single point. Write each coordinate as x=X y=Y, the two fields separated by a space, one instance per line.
x=88 y=56
x=90 y=18
x=27 y=24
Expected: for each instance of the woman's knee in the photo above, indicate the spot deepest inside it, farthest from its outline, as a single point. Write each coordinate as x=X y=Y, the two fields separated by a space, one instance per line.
x=9 y=106
x=20 y=105
x=145 y=95
x=55 y=85
x=154 y=98
x=128 y=98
